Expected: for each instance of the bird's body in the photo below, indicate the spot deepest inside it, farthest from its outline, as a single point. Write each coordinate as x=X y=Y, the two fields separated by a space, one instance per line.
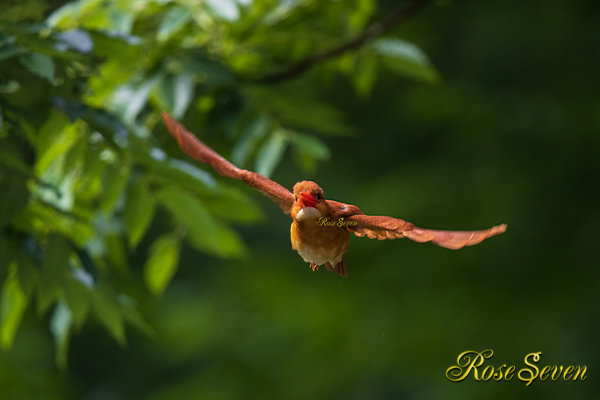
x=319 y=244
x=316 y=241
x=321 y=228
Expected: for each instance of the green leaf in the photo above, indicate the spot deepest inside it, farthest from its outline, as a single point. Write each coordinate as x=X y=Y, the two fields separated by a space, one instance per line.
x=296 y=106
x=205 y=232
x=309 y=150
x=234 y=205
x=14 y=303
x=8 y=51
x=173 y=171
x=132 y=315
x=173 y=21
x=54 y=139
x=162 y=263
x=128 y=100
x=8 y=247
x=406 y=58
x=27 y=274
x=139 y=211
x=175 y=93
x=60 y=326
x=116 y=252
x=183 y=88
x=12 y=158
x=108 y=313
x=365 y=74
x=55 y=265
x=65 y=16
x=76 y=39
x=226 y=9
x=252 y=135
x=271 y=153
x=114 y=180
x=78 y=299
x=284 y=8
x=310 y=144
x=11 y=205
x=39 y=64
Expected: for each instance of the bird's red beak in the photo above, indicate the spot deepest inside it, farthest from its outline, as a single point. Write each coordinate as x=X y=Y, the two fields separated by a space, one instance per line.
x=307 y=200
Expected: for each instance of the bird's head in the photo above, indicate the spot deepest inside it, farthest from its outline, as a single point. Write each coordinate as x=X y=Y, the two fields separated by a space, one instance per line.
x=309 y=196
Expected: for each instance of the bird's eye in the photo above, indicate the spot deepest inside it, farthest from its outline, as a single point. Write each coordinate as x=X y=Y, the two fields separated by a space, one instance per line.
x=318 y=197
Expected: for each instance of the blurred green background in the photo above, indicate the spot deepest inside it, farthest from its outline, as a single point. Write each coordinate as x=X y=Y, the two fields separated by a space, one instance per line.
x=132 y=272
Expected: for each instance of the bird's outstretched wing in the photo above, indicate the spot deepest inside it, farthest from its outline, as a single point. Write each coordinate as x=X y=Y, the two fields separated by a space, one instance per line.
x=380 y=227
x=193 y=147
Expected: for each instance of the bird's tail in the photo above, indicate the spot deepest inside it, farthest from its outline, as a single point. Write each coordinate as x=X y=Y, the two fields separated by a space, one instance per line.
x=339 y=268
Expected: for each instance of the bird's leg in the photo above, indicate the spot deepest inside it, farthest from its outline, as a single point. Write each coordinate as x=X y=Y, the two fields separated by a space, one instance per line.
x=314 y=266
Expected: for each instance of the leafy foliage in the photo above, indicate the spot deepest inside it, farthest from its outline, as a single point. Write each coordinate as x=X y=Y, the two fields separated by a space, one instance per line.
x=86 y=160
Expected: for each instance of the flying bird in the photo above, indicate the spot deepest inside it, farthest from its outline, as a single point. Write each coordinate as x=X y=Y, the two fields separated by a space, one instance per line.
x=321 y=228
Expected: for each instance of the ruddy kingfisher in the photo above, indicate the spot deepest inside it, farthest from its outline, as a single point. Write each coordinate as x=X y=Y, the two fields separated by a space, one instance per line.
x=321 y=228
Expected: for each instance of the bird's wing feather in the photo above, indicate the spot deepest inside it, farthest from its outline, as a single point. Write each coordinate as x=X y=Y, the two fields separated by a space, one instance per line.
x=193 y=147
x=381 y=227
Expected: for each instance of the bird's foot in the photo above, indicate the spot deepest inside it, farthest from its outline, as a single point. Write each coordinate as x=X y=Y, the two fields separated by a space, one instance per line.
x=314 y=266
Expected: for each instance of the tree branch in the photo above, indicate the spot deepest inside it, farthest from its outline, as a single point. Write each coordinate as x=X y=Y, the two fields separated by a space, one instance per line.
x=400 y=15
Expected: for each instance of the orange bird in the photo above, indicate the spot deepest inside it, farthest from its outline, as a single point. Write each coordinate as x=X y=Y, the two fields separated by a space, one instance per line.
x=321 y=228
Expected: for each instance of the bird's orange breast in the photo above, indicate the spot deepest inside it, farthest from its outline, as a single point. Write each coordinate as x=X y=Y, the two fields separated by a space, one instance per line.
x=319 y=243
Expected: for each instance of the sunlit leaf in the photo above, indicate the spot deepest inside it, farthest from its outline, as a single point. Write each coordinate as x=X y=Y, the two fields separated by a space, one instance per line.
x=365 y=74
x=52 y=139
x=309 y=150
x=64 y=16
x=60 y=326
x=174 y=20
x=204 y=231
x=139 y=211
x=113 y=184
x=75 y=39
x=406 y=58
x=175 y=93
x=270 y=154
x=39 y=64
x=252 y=135
x=284 y=8
x=116 y=252
x=128 y=100
x=234 y=205
x=183 y=88
x=173 y=171
x=192 y=171
x=13 y=306
x=226 y=9
x=162 y=263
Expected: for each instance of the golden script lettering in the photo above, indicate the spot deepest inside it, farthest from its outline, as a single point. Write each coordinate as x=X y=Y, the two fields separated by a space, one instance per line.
x=324 y=221
x=472 y=361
